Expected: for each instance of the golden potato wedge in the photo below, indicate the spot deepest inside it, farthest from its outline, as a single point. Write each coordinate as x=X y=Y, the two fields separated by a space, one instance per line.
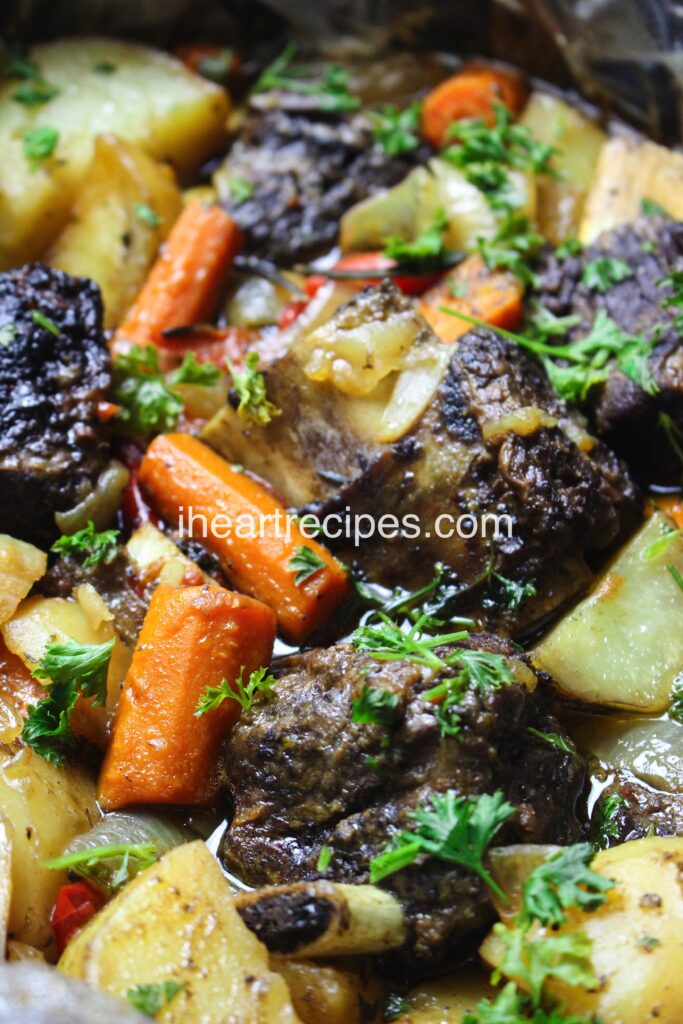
x=629 y=171
x=177 y=922
x=622 y=646
x=46 y=808
x=105 y=86
x=446 y=1000
x=124 y=210
x=636 y=937
x=331 y=994
x=21 y=564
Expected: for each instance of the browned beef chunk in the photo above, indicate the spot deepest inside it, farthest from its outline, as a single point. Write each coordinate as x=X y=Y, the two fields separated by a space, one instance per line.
x=307 y=168
x=54 y=369
x=621 y=410
x=639 y=811
x=304 y=775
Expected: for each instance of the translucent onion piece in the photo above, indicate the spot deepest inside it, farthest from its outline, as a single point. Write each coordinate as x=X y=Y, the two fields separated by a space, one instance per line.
x=21 y=564
x=101 y=505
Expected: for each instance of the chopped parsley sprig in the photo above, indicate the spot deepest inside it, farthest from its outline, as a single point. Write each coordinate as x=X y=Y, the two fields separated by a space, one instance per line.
x=397 y=131
x=249 y=389
x=148 y=404
x=258 y=687
x=332 y=90
x=110 y=866
x=456 y=830
x=89 y=546
x=304 y=563
x=386 y=641
x=73 y=670
x=150 y=999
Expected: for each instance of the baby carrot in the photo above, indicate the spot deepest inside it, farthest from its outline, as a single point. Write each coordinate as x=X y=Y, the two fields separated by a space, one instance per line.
x=261 y=548
x=192 y=637
x=184 y=284
x=491 y=295
x=471 y=93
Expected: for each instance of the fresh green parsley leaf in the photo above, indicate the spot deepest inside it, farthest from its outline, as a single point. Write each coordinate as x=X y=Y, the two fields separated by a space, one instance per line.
x=34 y=93
x=305 y=563
x=650 y=208
x=481 y=671
x=73 y=670
x=146 y=215
x=324 y=859
x=668 y=534
x=20 y=66
x=373 y=764
x=104 y=67
x=676 y=707
x=191 y=371
x=8 y=333
x=44 y=321
x=151 y=999
x=394 y=1007
x=374 y=706
x=533 y=961
x=648 y=942
x=259 y=687
x=457 y=830
x=217 y=66
x=332 y=91
x=249 y=386
x=109 y=867
x=562 y=743
x=676 y=576
x=149 y=406
x=96 y=546
x=397 y=130
x=515 y=243
x=599 y=275
x=386 y=641
x=458 y=289
x=607 y=827
x=240 y=189
x=435 y=602
x=570 y=247
x=503 y=592
x=564 y=879
x=39 y=143
x=426 y=248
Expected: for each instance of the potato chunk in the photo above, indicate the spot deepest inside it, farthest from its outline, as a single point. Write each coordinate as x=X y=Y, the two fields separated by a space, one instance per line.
x=636 y=937
x=105 y=86
x=124 y=209
x=177 y=922
x=623 y=646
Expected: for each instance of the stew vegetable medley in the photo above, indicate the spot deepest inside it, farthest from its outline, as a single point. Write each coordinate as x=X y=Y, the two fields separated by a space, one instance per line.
x=341 y=540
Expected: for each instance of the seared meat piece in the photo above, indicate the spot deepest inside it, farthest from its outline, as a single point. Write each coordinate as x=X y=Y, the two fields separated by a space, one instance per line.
x=54 y=369
x=641 y=810
x=307 y=168
x=494 y=440
x=304 y=775
x=652 y=247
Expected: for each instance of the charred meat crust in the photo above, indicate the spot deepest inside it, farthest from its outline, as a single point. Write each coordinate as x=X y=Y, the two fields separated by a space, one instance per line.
x=306 y=171
x=652 y=247
x=304 y=775
x=52 y=444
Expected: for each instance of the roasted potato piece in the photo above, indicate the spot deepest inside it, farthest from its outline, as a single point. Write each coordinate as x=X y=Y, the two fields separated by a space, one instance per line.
x=46 y=807
x=177 y=921
x=636 y=936
x=445 y=1000
x=123 y=211
x=579 y=142
x=330 y=994
x=629 y=171
x=622 y=646
x=143 y=96
x=21 y=564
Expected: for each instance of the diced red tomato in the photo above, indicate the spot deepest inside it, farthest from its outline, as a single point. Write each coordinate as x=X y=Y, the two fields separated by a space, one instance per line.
x=409 y=284
x=76 y=903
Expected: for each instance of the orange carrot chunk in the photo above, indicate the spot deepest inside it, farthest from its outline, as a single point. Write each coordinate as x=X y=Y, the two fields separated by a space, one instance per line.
x=471 y=93
x=672 y=505
x=257 y=542
x=183 y=286
x=192 y=637
x=471 y=288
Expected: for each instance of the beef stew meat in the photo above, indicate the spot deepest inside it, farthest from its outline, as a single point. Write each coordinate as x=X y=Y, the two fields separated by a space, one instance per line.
x=54 y=371
x=304 y=775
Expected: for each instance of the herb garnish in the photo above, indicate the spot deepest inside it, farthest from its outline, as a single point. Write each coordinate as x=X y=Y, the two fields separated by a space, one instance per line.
x=386 y=641
x=259 y=687
x=104 y=67
x=650 y=208
x=607 y=826
x=89 y=545
x=668 y=534
x=148 y=405
x=394 y=1007
x=435 y=603
x=240 y=189
x=374 y=706
x=676 y=576
x=39 y=143
x=109 y=867
x=562 y=743
x=73 y=670
x=151 y=999
x=676 y=706
x=249 y=386
x=217 y=66
x=599 y=275
x=146 y=215
x=457 y=829
x=324 y=859
x=332 y=91
x=481 y=671
x=513 y=245
x=564 y=879
x=397 y=130
x=34 y=93
x=428 y=247
x=44 y=321
x=305 y=563
x=191 y=371
x=570 y=247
